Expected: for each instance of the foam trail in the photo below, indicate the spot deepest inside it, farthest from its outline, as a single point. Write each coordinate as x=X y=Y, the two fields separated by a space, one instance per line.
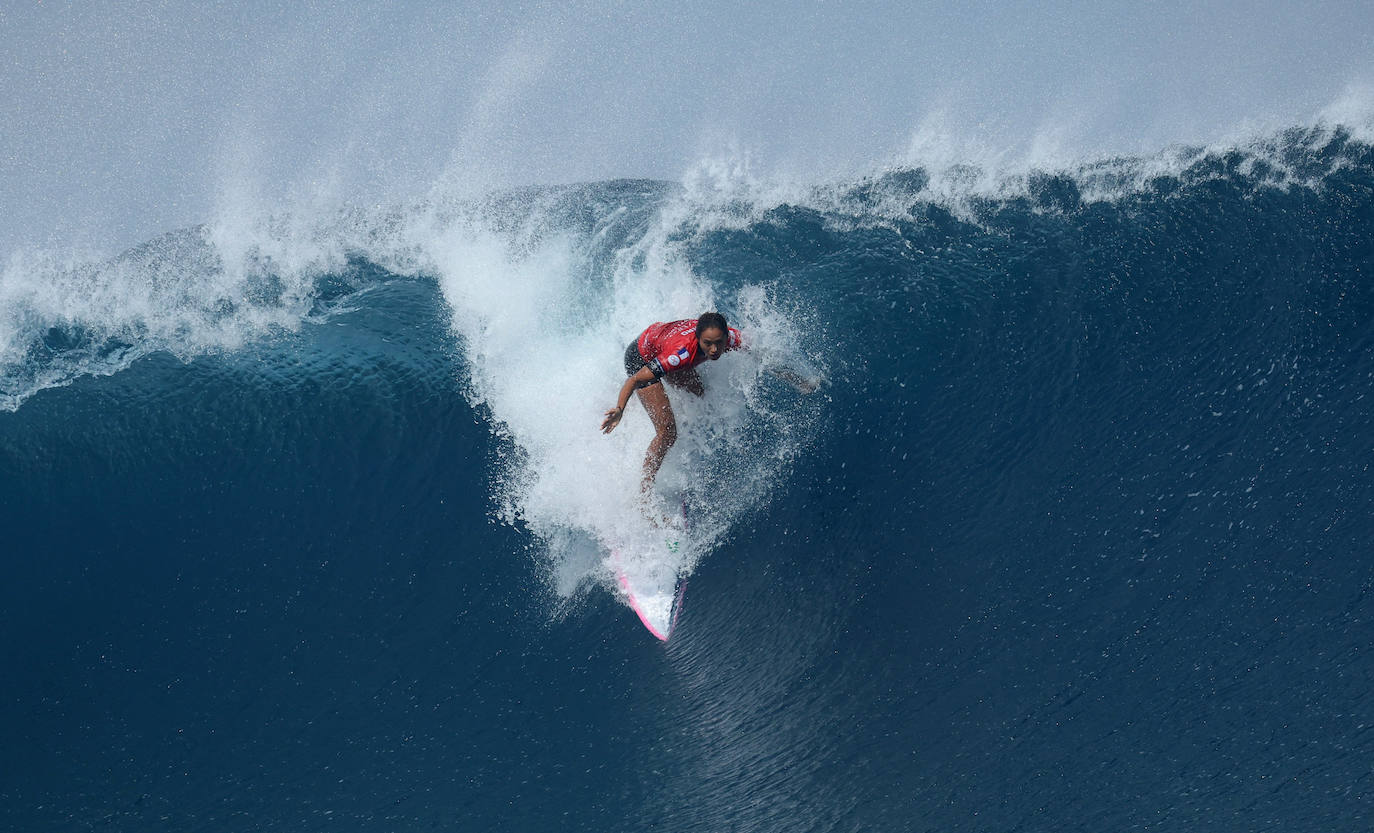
x=543 y=327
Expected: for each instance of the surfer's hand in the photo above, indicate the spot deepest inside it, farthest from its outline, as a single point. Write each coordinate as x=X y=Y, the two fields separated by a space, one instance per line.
x=612 y=420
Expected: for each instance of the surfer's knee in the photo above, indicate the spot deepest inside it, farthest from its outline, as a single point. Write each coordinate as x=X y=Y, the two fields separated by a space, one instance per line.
x=666 y=435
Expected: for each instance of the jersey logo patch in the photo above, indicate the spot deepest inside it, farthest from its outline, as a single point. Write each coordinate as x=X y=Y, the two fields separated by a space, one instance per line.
x=674 y=360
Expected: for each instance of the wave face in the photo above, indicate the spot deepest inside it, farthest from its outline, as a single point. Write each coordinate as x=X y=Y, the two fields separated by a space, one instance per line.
x=306 y=518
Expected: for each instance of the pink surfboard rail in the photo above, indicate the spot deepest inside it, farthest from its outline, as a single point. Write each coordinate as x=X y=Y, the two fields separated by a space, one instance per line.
x=639 y=611
x=659 y=632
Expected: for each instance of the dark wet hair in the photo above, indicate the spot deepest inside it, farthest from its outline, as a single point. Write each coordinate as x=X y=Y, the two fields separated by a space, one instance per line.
x=712 y=319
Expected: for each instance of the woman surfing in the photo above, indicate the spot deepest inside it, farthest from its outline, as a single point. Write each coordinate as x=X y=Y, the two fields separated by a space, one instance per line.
x=671 y=352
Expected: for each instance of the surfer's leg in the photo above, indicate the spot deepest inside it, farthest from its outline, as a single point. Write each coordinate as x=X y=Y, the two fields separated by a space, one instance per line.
x=655 y=401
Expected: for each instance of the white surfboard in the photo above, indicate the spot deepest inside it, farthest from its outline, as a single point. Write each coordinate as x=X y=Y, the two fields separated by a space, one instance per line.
x=651 y=580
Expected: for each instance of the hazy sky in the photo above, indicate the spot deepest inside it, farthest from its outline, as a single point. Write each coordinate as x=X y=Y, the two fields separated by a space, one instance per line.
x=122 y=120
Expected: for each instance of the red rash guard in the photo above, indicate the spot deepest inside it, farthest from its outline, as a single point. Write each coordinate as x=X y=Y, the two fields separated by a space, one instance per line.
x=670 y=347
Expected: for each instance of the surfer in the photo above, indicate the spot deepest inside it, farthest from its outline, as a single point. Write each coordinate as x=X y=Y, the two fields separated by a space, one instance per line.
x=671 y=351
x=668 y=351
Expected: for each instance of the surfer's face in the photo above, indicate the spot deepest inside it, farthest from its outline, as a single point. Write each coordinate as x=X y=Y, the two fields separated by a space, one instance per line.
x=712 y=342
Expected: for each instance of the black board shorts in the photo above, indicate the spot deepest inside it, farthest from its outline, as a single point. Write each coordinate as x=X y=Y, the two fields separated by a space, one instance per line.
x=634 y=362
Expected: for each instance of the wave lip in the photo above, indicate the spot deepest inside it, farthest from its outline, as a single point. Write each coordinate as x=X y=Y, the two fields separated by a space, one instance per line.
x=722 y=197
x=252 y=274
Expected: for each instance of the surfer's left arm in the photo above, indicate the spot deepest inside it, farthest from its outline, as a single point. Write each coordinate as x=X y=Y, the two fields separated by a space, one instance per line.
x=802 y=383
x=774 y=364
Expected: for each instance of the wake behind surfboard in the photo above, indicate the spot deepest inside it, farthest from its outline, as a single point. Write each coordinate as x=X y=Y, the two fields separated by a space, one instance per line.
x=650 y=578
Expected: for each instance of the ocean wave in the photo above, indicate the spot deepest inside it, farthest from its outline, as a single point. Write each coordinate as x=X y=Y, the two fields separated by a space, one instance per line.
x=1095 y=443
x=544 y=286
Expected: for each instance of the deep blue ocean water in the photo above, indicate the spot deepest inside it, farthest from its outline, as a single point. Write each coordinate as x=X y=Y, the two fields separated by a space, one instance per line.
x=300 y=523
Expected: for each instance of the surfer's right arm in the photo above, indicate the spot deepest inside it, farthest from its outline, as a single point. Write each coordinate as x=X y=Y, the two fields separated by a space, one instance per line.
x=612 y=418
